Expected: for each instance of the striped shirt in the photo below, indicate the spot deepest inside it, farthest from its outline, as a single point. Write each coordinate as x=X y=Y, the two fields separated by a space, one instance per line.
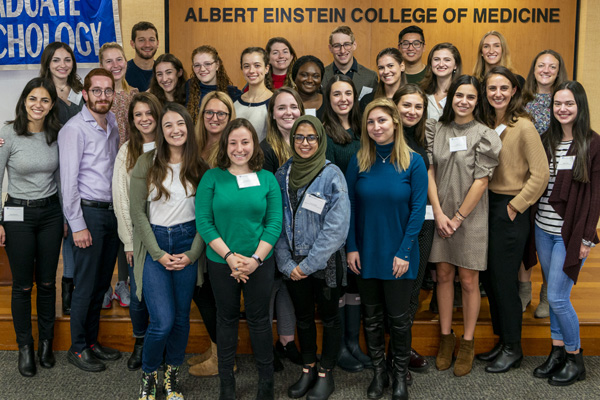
x=546 y=218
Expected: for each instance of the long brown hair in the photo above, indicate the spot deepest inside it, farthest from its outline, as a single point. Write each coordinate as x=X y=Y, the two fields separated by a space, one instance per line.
x=429 y=83
x=530 y=88
x=331 y=121
x=135 y=146
x=200 y=131
x=515 y=109
x=280 y=147
x=179 y=94
x=397 y=56
x=73 y=80
x=192 y=166
x=412 y=88
x=256 y=160
x=289 y=82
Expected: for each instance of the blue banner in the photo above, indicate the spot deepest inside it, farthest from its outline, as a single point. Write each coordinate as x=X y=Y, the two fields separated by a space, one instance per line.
x=28 y=26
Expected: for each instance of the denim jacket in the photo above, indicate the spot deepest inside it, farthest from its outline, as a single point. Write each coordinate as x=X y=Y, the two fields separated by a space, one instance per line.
x=315 y=236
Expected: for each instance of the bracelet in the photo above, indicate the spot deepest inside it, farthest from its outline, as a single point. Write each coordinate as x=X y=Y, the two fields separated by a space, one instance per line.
x=513 y=208
x=258 y=259
x=459 y=217
x=462 y=216
x=588 y=243
x=227 y=255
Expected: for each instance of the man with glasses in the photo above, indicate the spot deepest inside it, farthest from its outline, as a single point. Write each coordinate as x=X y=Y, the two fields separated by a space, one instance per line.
x=342 y=46
x=144 y=40
x=411 y=42
x=87 y=147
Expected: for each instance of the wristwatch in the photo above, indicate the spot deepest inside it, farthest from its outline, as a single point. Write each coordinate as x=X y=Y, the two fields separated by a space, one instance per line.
x=257 y=258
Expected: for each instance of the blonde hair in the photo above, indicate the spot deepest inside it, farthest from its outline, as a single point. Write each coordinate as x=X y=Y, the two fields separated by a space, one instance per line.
x=200 y=129
x=400 y=156
x=505 y=61
x=117 y=46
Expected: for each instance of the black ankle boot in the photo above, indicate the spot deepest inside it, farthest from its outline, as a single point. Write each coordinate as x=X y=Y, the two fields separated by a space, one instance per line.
x=353 y=335
x=27 y=361
x=227 y=388
x=490 y=355
x=572 y=371
x=346 y=361
x=510 y=357
x=45 y=354
x=67 y=293
x=265 y=389
x=400 y=332
x=324 y=386
x=554 y=362
x=375 y=335
x=304 y=384
x=135 y=361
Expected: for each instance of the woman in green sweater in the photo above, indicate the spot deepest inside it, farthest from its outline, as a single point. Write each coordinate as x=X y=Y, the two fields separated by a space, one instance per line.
x=239 y=214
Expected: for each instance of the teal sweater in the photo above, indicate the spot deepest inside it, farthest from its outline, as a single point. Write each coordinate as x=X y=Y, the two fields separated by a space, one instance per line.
x=241 y=217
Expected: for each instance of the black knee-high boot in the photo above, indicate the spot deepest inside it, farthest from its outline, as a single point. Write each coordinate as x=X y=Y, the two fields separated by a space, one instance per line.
x=400 y=332
x=375 y=335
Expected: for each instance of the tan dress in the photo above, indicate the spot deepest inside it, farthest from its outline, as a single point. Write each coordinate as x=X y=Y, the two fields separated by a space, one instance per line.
x=455 y=172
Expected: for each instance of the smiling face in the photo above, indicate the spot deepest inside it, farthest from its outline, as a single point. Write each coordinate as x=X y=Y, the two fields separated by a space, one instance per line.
x=254 y=68
x=213 y=125
x=380 y=126
x=443 y=63
x=114 y=62
x=205 y=68
x=280 y=58
x=545 y=72
x=99 y=104
x=411 y=109
x=174 y=129
x=565 y=107
x=341 y=98
x=499 y=91
x=464 y=103
x=285 y=112
x=167 y=76
x=389 y=70
x=343 y=56
x=491 y=50
x=61 y=64
x=143 y=119
x=308 y=79
x=306 y=149
x=145 y=44
x=38 y=104
x=410 y=54
x=240 y=146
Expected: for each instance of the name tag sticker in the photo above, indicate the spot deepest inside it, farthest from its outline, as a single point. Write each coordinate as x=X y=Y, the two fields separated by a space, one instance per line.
x=458 y=144
x=500 y=128
x=247 y=180
x=310 y=111
x=13 y=214
x=429 y=213
x=443 y=102
x=565 y=162
x=74 y=97
x=314 y=203
x=364 y=91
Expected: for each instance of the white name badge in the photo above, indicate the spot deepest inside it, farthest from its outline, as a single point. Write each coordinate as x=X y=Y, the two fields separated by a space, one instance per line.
x=364 y=91
x=74 y=97
x=247 y=180
x=429 y=213
x=458 y=144
x=565 y=162
x=443 y=102
x=310 y=111
x=314 y=203
x=13 y=214
x=500 y=128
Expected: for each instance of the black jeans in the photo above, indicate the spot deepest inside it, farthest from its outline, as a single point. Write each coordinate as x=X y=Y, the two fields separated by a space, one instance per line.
x=507 y=240
x=305 y=293
x=394 y=295
x=205 y=301
x=33 y=248
x=94 y=268
x=257 y=295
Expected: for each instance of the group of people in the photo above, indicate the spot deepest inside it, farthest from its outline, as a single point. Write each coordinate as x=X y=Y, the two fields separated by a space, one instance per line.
x=313 y=188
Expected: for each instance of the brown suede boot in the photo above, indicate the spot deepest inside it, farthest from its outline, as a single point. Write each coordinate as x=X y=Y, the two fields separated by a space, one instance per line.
x=464 y=359
x=443 y=361
x=209 y=367
x=200 y=358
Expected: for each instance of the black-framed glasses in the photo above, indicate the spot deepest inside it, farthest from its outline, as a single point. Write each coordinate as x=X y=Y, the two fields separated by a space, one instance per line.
x=311 y=139
x=338 y=46
x=207 y=65
x=221 y=115
x=415 y=43
x=98 y=92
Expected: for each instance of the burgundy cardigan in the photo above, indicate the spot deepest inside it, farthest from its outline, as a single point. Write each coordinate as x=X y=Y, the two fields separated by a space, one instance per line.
x=578 y=204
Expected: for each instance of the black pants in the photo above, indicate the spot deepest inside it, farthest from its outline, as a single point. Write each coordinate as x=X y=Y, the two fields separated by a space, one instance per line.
x=205 y=301
x=394 y=295
x=33 y=248
x=257 y=295
x=425 y=242
x=507 y=241
x=305 y=293
x=94 y=267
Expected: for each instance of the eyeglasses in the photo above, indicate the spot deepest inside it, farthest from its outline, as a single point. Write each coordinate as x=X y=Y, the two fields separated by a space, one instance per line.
x=311 y=139
x=416 y=44
x=221 y=115
x=338 y=46
x=207 y=65
x=98 y=92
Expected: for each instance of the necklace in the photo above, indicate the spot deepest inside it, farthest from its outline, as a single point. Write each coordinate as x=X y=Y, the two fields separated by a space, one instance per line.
x=253 y=100
x=62 y=89
x=383 y=159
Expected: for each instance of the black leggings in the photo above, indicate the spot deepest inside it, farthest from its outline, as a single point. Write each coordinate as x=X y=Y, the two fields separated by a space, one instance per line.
x=205 y=301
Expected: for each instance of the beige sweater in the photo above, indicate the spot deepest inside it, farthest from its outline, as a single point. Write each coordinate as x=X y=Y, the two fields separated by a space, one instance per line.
x=523 y=169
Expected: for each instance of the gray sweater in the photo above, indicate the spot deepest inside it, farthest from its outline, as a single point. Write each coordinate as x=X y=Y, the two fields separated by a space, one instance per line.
x=32 y=165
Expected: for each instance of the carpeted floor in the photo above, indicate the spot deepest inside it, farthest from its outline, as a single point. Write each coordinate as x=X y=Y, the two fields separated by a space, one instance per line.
x=66 y=382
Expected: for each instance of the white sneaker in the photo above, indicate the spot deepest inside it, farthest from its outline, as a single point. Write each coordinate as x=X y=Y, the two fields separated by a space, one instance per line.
x=108 y=296
x=122 y=293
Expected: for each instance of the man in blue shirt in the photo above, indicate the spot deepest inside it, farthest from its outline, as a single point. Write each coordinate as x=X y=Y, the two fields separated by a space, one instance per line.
x=144 y=40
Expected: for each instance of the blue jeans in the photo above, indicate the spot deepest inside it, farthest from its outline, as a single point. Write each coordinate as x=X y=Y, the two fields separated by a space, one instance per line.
x=168 y=296
x=138 y=312
x=564 y=324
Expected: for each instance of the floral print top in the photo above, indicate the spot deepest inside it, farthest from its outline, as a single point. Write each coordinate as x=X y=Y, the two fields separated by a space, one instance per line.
x=539 y=109
x=120 y=108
